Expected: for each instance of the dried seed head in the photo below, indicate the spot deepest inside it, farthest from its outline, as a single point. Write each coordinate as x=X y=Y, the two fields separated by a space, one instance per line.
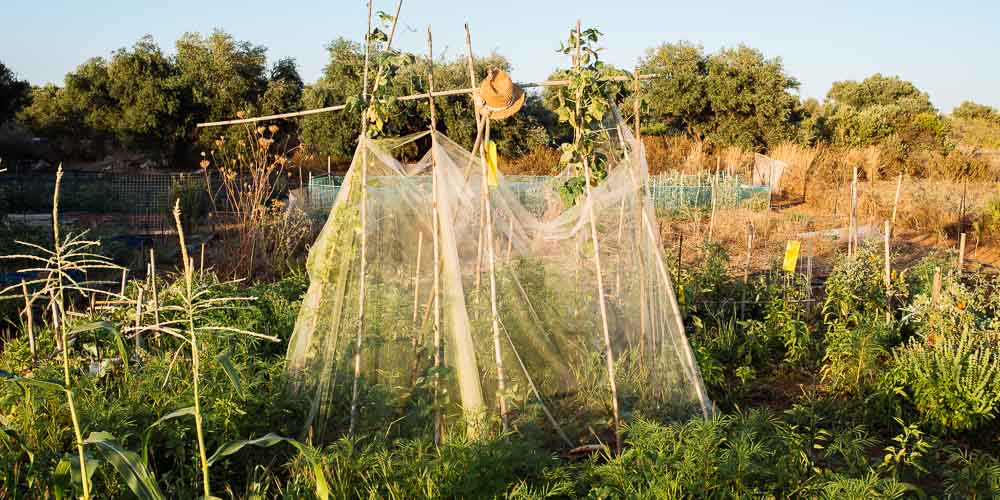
x=204 y=163
x=240 y=114
x=260 y=130
x=273 y=129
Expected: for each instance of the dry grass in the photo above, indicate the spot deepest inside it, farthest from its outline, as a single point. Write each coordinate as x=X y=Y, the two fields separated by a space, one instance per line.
x=799 y=160
x=735 y=160
x=541 y=160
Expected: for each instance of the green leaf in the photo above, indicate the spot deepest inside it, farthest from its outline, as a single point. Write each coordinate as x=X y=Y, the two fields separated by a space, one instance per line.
x=231 y=372
x=271 y=439
x=108 y=327
x=89 y=327
x=120 y=345
x=74 y=462
x=44 y=384
x=149 y=430
x=127 y=463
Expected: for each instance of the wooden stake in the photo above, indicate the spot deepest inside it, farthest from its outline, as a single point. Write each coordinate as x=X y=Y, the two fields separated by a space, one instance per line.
x=895 y=200
x=152 y=286
x=29 y=317
x=124 y=277
x=363 y=145
x=961 y=254
x=888 y=232
x=138 y=321
x=329 y=171
x=936 y=287
x=201 y=264
x=715 y=181
x=746 y=267
x=961 y=207
x=853 y=225
x=809 y=266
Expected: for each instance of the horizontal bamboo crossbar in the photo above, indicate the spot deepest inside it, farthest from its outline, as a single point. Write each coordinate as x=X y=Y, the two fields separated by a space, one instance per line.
x=414 y=97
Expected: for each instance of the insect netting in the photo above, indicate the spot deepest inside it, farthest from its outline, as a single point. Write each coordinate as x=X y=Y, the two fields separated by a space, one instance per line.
x=548 y=340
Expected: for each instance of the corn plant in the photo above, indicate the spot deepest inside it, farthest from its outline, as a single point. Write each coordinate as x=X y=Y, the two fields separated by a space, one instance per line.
x=62 y=272
x=196 y=301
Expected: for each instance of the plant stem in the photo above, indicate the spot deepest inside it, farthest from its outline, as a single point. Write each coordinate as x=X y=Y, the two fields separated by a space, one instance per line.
x=57 y=255
x=195 y=366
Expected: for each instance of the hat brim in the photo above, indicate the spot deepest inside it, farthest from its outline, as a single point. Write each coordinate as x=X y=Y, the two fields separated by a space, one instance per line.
x=500 y=114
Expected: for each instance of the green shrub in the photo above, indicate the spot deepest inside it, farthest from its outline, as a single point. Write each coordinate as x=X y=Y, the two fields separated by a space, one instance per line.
x=954 y=380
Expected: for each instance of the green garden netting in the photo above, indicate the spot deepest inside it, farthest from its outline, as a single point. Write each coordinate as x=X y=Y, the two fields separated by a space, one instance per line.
x=545 y=358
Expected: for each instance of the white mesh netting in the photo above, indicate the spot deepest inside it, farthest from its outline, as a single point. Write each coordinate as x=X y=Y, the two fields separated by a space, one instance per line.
x=549 y=339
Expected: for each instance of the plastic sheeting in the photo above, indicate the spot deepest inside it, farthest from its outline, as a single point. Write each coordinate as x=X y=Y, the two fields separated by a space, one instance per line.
x=549 y=343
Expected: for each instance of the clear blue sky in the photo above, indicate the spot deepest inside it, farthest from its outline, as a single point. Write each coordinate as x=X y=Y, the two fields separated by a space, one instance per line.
x=951 y=49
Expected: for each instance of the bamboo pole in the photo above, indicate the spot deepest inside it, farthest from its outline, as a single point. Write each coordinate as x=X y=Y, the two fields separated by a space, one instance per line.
x=684 y=347
x=363 y=146
x=413 y=97
x=498 y=354
x=201 y=263
x=438 y=422
x=416 y=277
x=29 y=318
x=469 y=62
x=609 y=351
x=640 y=206
x=124 y=280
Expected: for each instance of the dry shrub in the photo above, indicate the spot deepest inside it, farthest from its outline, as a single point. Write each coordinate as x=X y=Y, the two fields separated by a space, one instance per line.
x=954 y=165
x=540 y=160
x=252 y=172
x=696 y=158
x=665 y=153
x=799 y=161
x=867 y=159
x=736 y=160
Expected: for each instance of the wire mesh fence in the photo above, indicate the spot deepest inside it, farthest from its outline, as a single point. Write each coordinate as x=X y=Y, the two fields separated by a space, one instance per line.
x=142 y=202
x=672 y=193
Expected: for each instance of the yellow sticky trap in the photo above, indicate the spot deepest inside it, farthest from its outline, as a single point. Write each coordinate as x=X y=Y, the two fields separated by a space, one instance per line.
x=791 y=255
x=491 y=163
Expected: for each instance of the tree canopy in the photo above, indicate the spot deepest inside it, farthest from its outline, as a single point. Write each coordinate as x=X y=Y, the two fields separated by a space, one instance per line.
x=144 y=100
x=735 y=96
x=14 y=94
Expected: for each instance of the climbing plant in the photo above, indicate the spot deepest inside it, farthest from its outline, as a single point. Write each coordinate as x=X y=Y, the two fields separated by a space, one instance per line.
x=583 y=103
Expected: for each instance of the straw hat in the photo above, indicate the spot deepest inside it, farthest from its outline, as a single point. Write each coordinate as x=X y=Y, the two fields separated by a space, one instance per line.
x=501 y=98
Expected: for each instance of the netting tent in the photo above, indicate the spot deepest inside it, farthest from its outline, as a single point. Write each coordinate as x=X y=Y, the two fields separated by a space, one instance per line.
x=544 y=319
